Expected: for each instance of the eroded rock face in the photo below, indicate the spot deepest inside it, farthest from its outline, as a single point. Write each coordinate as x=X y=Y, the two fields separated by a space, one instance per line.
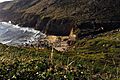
x=57 y=17
x=59 y=27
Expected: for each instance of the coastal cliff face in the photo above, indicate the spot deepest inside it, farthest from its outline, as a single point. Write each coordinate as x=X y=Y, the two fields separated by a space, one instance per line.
x=58 y=17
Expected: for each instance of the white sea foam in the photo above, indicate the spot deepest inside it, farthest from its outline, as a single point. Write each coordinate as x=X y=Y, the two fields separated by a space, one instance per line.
x=14 y=34
x=6 y=42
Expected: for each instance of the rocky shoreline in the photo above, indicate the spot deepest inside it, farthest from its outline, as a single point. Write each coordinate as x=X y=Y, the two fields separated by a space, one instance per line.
x=59 y=17
x=58 y=43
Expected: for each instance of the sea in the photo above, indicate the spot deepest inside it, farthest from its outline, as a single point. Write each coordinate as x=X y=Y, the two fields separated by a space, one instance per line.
x=14 y=35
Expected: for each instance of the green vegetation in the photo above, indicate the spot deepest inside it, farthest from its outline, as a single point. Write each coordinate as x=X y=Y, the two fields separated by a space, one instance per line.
x=88 y=59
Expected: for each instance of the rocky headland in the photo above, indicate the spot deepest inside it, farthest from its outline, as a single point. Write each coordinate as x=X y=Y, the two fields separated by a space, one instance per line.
x=85 y=34
x=58 y=17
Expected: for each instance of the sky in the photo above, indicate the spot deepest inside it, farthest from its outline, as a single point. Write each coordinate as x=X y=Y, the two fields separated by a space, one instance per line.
x=4 y=0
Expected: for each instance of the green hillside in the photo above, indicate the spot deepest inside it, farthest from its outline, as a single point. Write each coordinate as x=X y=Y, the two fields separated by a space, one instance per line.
x=95 y=58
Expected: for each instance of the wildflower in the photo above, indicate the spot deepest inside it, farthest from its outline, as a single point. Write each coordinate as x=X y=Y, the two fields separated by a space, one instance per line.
x=37 y=73
x=81 y=72
x=14 y=77
x=65 y=76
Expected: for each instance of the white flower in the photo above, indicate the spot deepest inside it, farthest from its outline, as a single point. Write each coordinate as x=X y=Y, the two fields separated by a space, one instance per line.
x=37 y=73
x=65 y=76
x=81 y=72
x=14 y=77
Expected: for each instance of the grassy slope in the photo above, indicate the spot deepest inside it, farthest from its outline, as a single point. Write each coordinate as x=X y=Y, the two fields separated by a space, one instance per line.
x=90 y=59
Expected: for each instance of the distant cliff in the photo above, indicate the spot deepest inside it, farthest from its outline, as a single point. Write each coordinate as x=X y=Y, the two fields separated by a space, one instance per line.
x=58 y=17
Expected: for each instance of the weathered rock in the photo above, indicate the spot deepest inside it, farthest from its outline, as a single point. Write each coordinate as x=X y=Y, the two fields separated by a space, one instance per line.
x=59 y=27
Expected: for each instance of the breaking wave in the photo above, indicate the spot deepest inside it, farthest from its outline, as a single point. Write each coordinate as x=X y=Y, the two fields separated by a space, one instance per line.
x=15 y=35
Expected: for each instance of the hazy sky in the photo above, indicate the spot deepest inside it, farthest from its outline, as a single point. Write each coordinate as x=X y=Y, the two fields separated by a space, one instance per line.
x=4 y=0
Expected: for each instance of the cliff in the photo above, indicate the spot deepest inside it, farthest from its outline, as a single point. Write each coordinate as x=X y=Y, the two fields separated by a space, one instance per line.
x=58 y=17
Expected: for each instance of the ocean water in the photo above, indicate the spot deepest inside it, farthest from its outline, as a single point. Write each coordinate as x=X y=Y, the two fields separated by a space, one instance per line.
x=15 y=35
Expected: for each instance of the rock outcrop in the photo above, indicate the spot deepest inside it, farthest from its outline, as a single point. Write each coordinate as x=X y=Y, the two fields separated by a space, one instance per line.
x=58 y=17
